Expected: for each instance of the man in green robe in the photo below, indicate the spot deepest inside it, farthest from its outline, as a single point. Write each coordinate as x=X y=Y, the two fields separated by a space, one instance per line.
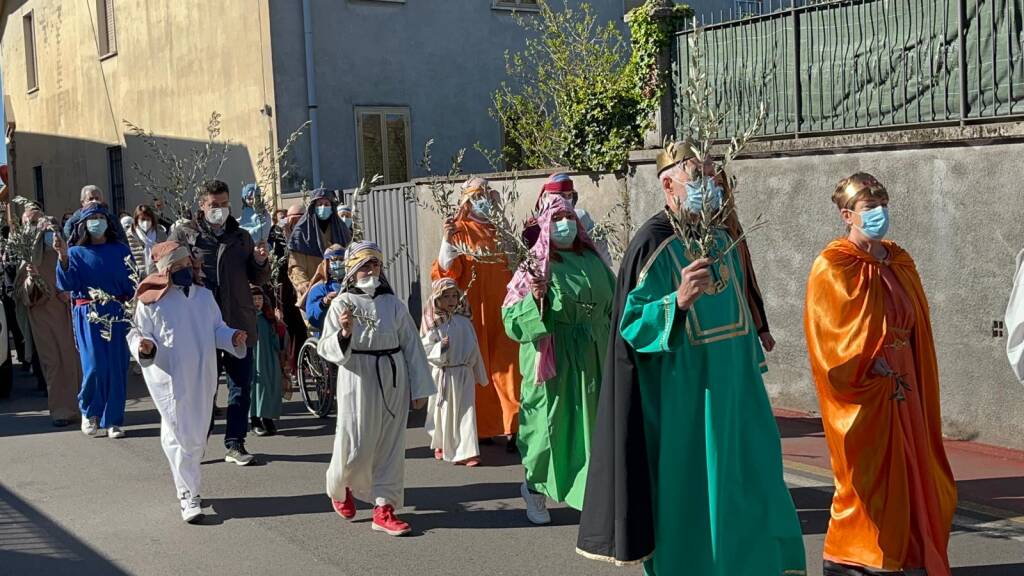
x=686 y=469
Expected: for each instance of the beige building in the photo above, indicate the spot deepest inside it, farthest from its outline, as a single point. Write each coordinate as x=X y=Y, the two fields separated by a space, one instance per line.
x=74 y=71
x=376 y=79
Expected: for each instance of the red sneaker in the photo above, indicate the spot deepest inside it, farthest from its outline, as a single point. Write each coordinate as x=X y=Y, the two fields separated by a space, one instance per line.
x=346 y=509
x=384 y=520
x=438 y=454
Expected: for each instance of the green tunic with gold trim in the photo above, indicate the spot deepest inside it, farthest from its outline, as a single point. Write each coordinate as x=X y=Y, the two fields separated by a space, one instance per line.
x=721 y=506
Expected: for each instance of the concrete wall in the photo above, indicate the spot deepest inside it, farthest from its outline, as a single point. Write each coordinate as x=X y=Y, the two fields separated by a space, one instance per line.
x=441 y=59
x=176 y=62
x=957 y=210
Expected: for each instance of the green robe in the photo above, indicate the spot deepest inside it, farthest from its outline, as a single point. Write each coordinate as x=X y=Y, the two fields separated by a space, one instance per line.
x=266 y=372
x=720 y=504
x=555 y=418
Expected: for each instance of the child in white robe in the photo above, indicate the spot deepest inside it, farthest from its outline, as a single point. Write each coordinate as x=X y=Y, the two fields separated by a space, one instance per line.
x=177 y=331
x=370 y=335
x=452 y=350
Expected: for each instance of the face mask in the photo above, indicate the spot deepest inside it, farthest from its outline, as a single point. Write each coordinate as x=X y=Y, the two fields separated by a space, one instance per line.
x=217 y=216
x=481 y=206
x=323 y=212
x=145 y=225
x=337 y=270
x=695 y=195
x=96 y=228
x=182 y=277
x=347 y=221
x=563 y=232
x=874 y=222
x=368 y=284
x=126 y=222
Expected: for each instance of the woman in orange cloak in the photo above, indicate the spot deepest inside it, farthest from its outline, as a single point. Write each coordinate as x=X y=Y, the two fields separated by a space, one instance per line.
x=497 y=406
x=869 y=338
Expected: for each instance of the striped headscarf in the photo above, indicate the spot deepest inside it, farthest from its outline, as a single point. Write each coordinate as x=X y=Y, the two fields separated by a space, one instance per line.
x=358 y=254
x=434 y=316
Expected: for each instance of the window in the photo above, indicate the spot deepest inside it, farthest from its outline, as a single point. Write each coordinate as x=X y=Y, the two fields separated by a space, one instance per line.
x=32 y=76
x=383 y=143
x=516 y=4
x=105 y=27
x=37 y=176
x=116 y=167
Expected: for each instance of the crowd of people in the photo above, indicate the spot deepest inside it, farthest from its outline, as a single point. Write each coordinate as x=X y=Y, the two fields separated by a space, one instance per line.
x=635 y=397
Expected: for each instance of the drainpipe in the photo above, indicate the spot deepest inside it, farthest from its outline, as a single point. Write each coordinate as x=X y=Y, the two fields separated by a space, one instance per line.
x=314 y=127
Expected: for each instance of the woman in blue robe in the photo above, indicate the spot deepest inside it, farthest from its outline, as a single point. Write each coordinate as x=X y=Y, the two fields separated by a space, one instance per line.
x=100 y=261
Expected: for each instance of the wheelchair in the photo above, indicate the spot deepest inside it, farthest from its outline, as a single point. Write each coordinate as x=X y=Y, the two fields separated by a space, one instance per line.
x=317 y=378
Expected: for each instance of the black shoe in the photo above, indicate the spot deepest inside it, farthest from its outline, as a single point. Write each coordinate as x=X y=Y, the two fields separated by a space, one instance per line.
x=257 y=426
x=269 y=426
x=510 y=445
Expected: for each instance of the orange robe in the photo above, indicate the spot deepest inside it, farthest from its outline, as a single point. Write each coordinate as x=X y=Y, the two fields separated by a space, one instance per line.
x=497 y=406
x=895 y=496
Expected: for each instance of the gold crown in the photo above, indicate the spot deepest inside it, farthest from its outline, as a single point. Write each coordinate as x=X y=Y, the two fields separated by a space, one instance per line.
x=674 y=153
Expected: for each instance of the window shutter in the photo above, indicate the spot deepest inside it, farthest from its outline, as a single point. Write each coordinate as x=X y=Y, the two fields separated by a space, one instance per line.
x=109 y=25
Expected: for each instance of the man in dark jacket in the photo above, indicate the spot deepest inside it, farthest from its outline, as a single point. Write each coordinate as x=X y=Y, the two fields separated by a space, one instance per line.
x=90 y=194
x=231 y=263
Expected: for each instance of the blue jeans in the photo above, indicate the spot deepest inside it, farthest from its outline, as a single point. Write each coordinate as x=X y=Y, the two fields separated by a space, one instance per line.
x=239 y=372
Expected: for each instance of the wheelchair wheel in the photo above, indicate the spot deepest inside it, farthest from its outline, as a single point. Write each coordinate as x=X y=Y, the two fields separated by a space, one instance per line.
x=316 y=380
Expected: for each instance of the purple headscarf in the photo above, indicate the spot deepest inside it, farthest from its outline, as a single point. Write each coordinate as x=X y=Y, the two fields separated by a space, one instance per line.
x=519 y=287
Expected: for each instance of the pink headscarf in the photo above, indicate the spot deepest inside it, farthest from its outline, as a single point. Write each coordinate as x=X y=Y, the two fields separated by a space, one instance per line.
x=519 y=287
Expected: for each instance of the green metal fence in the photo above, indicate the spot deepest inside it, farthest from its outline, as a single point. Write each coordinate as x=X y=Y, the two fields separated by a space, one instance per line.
x=864 y=65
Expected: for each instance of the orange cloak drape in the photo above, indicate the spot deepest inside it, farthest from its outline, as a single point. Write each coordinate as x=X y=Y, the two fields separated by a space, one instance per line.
x=497 y=406
x=872 y=521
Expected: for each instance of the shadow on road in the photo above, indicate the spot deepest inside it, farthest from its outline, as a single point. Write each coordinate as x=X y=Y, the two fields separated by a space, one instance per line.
x=267 y=506
x=31 y=543
x=991 y=570
x=813 y=506
x=797 y=427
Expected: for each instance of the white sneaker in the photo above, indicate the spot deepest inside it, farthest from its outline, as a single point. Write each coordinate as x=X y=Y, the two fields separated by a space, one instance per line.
x=192 y=510
x=536 y=506
x=91 y=427
x=116 y=432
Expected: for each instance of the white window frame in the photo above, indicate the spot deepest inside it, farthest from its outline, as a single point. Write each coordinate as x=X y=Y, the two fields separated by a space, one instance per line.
x=33 y=66
x=513 y=5
x=384 y=111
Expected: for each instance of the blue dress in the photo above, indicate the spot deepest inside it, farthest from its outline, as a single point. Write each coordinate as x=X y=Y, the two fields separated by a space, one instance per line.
x=104 y=361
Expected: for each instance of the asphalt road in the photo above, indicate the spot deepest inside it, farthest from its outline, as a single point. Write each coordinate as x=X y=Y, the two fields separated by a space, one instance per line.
x=81 y=506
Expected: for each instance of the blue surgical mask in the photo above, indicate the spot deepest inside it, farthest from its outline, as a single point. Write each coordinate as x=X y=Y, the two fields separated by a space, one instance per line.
x=182 y=277
x=337 y=270
x=96 y=228
x=481 y=206
x=347 y=220
x=695 y=195
x=875 y=222
x=323 y=212
x=563 y=232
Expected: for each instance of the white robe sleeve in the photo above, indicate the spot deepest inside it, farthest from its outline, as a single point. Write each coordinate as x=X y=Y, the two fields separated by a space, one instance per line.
x=328 y=347
x=436 y=354
x=475 y=358
x=142 y=329
x=417 y=369
x=447 y=254
x=1015 y=322
x=222 y=333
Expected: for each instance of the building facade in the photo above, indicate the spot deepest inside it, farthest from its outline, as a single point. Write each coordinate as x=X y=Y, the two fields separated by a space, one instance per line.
x=376 y=78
